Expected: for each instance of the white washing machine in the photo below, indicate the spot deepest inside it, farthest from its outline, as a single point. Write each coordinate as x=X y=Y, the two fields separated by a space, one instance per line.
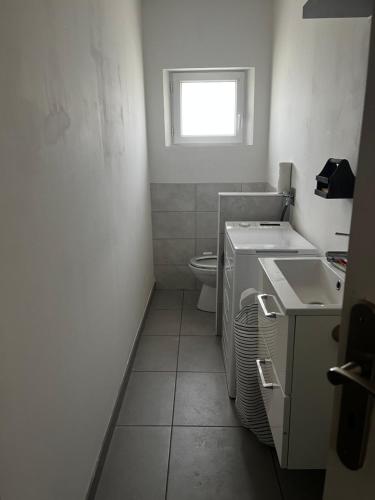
x=246 y=242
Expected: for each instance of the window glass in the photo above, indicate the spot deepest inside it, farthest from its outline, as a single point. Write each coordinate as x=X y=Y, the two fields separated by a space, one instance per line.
x=208 y=108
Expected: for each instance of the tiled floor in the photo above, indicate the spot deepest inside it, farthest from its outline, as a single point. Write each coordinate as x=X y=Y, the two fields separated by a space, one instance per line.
x=177 y=435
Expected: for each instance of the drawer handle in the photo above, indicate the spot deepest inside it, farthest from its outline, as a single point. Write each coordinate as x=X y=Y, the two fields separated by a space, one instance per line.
x=268 y=314
x=266 y=385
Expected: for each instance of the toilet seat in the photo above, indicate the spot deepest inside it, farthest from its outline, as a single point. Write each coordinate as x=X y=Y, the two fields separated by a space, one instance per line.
x=204 y=262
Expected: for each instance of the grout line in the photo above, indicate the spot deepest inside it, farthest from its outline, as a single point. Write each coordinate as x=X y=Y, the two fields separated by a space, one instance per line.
x=164 y=309
x=144 y=425
x=185 y=212
x=200 y=372
x=174 y=403
x=160 y=334
x=191 y=334
x=177 y=371
x=153 y=371
x=183 y=426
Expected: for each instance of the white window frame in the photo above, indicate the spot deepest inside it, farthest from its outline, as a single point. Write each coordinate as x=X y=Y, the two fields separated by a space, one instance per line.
x=176 y=77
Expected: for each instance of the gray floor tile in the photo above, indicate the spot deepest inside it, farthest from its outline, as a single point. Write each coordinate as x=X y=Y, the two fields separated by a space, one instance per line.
x=200 y=354
x=300 y=484
x=136 y=466
x=162 y=322
x=191 y=299
x=196 y=322
x=220 y=464
x=148 y=399
x=166 y=299
x=202 y=399
x=157 y=354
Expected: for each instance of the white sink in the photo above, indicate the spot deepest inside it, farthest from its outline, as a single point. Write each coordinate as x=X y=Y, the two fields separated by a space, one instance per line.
x=312 y=280
x=306 y=285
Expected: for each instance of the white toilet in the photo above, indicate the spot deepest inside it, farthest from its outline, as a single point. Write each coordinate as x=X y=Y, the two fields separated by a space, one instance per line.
x=204 y=269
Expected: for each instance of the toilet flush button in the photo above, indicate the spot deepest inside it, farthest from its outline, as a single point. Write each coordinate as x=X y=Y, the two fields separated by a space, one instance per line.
x=245 y=224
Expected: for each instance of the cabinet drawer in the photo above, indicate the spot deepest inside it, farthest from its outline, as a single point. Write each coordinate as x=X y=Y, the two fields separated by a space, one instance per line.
x=278 y=336
x=277 y=406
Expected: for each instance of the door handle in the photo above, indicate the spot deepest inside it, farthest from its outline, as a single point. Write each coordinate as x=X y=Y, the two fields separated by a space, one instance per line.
x=350 y=373
x=357 y=377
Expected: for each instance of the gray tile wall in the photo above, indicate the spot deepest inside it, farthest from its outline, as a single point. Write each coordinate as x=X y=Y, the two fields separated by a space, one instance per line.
x=185 y=224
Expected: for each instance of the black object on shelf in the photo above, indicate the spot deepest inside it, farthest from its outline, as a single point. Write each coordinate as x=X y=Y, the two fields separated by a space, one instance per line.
x=336 y=180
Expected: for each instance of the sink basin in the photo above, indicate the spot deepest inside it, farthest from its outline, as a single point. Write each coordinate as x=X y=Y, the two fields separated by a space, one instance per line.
x=313 y=281
x=305 y=285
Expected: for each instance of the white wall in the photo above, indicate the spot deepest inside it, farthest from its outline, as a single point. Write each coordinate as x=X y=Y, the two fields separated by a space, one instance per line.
x=206 y=34
x=318 y=85
x=75 y=254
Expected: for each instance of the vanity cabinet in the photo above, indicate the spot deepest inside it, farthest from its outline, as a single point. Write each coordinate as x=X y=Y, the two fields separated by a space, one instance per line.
x=295 y=353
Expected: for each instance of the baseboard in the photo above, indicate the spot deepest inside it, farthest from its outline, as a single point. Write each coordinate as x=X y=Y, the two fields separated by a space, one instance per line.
x=116 y=410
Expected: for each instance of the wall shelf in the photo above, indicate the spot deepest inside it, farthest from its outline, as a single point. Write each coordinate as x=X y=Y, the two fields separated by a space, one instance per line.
x=320 y=9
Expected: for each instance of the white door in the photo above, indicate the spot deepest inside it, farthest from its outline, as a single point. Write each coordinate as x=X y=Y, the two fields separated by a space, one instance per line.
x=343 y=483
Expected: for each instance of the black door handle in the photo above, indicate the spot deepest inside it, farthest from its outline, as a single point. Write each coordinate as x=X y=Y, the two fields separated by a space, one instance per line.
x=350 y=373
x=357 y=377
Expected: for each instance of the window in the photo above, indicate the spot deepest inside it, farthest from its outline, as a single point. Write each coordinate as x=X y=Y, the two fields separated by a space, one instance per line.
x=207 y=107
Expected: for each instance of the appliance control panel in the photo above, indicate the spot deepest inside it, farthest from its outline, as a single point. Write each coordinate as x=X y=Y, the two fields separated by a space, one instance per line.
x=256 y=224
